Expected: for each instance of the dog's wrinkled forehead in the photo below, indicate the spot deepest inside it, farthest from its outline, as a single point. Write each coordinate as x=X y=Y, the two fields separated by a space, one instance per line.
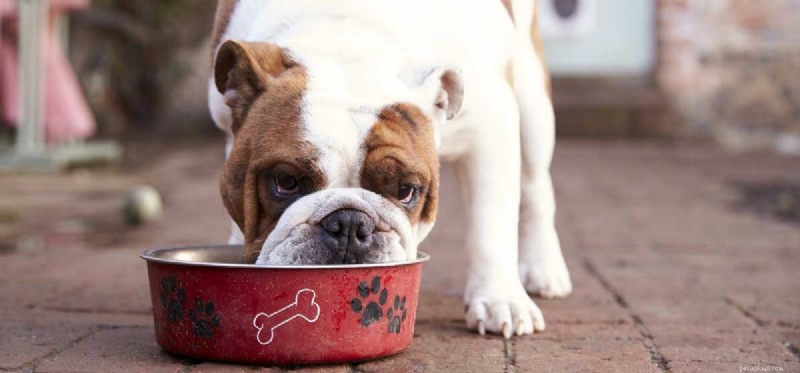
x=341 y=109
x=337 y=132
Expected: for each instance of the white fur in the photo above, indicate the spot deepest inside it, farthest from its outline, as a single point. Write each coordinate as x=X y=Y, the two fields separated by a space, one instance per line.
x=363 y=54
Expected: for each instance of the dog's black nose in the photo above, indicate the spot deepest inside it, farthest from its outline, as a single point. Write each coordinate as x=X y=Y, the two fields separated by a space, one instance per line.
x=351 y=231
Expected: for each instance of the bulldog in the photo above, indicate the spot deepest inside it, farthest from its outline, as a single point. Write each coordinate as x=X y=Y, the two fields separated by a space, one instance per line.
x=337 y=113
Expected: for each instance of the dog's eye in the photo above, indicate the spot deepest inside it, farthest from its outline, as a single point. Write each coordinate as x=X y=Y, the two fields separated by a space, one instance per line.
x=407 y=194
x=285 y=184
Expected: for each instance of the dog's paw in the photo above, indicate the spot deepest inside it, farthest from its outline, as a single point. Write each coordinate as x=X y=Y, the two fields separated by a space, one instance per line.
x=548 y=278
x=504 y=310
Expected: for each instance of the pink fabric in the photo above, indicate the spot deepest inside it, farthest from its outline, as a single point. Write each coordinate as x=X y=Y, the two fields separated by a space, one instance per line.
x=67 y=115
x=8 y=7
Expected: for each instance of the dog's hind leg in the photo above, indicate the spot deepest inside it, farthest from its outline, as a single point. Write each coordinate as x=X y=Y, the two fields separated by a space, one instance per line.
x=541 y=264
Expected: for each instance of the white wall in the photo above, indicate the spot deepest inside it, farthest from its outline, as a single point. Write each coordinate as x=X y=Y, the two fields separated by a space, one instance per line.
x=617 y=39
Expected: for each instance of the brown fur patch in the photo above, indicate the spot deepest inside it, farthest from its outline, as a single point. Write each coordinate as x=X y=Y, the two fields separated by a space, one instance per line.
x=267 y=111
x=222 y=17
x=400 y=150
x=248 y=68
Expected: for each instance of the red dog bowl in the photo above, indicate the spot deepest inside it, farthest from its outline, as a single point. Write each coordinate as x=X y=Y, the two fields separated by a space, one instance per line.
x=208 y=305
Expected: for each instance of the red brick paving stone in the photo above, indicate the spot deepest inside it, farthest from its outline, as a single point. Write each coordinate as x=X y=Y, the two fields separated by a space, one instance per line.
x=697 y=311
x=22 y=341
x=117 y=282
x=114 y=280
x=599 y=228
x=583 y=348
x=724 y=334
x=440 y=347
x=707 y=366
x=437 y=307
x=235 y=368
x=771 y=306
x=654 y=274
x=589 y=311
x=30 y=282
x=340 y=368
x=444 y=274
x=33 y=334
x=230 y=368
x=589 y=302
x=699 y=343
x=17 y=263
x=688 y=290
x=786 y=334
x=660 y=300
x=114 y=350
x=570 y=244
x=789 y=337
x=684 y=226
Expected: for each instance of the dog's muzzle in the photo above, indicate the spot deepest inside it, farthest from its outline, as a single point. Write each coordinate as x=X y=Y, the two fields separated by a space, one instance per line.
x=340 y=226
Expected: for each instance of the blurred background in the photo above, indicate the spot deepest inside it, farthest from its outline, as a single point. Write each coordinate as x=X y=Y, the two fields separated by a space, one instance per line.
x=719 y=70
x=713 y=70
x=122 y=93
x=122 y=82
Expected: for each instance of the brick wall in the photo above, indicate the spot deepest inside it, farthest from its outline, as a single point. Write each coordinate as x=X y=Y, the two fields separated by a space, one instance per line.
x=731 y=69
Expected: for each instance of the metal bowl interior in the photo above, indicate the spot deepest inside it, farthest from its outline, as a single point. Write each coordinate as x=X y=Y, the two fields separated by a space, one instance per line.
x=230 y=256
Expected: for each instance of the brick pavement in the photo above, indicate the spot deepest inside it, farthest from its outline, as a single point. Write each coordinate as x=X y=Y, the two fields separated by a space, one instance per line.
x=670 y=273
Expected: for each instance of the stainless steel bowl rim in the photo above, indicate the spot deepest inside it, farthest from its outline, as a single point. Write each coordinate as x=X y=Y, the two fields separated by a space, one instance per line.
x=152 y=256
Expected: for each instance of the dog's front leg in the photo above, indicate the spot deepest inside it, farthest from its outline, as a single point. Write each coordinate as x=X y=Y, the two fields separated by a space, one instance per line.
x=490 y=175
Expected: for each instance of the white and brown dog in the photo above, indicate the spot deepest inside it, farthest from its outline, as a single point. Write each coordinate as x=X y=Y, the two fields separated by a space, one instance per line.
x=337 y=112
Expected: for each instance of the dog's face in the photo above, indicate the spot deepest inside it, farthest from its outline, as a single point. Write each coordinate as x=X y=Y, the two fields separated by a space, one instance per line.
x=311 y=181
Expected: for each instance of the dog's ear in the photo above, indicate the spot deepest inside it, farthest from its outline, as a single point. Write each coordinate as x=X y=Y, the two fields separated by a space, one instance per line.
x=443 y=88
x=243 y=70
x=449 y=89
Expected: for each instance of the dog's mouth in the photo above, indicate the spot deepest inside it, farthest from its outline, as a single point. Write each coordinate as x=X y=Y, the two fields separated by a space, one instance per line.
x=339 y=226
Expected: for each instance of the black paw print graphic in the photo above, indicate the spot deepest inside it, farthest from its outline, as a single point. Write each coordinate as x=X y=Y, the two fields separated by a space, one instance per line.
x=204 y=321
x=396 y=314
x=372 y=312
x=172 y=298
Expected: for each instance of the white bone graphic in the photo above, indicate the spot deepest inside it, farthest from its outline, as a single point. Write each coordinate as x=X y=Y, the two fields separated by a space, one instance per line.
x=303 y=306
